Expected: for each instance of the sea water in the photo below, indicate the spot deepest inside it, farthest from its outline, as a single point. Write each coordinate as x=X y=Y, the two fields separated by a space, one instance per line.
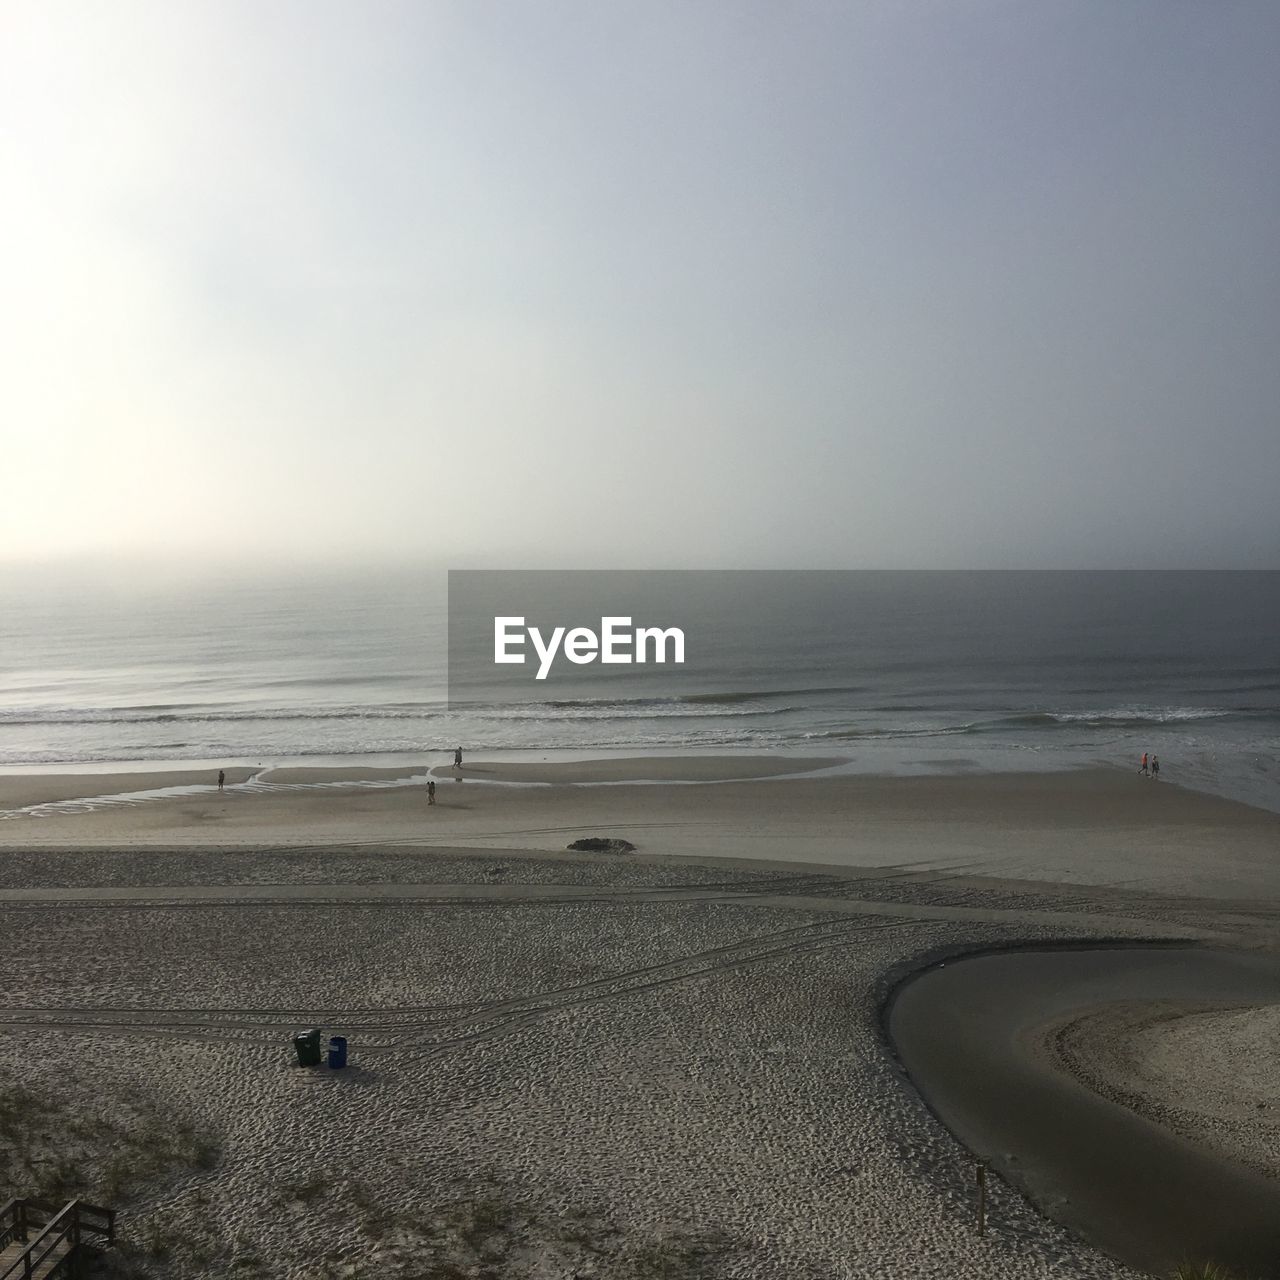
x=899 y=672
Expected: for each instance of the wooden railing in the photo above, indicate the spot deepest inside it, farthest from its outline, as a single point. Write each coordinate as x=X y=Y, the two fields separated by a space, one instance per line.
x=13 y=1225
x=54 y=1227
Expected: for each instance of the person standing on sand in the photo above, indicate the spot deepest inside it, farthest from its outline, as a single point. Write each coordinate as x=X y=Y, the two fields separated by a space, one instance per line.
x=1143 y=770
x=1155 y=766
x=222 y=779
x=457 y=758
x=431 y=791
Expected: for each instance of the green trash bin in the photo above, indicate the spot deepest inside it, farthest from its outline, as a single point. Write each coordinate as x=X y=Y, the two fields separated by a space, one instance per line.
x=307 y=1045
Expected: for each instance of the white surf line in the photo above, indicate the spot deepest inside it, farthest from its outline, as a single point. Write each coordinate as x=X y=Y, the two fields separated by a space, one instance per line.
x=821 y=772
x=252 y=786
x=258 y=785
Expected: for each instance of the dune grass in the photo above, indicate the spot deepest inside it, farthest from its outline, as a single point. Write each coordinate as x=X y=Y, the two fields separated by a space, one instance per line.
x=62 y=1145
x=1205 y=1271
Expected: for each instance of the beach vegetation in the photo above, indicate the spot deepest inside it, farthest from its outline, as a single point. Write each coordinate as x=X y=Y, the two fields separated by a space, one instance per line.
x=159 y=1242
x=491 y=1235
x=588 y=1230
x=677 y=1257
x=104 y=1146
x=1205 y=1271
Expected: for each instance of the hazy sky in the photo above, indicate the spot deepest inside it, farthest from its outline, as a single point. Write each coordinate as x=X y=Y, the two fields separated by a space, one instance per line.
x=957 y=282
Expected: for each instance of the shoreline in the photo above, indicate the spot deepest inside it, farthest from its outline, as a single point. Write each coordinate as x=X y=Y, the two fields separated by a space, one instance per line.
x=1089 y=827
x=430 y=757
x=863 y=765
x=24 y=785
x=79 y=781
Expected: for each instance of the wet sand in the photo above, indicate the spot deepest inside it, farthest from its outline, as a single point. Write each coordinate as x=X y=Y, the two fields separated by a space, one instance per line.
x=17 y=790
x=1087 y=828
x=979 y=1036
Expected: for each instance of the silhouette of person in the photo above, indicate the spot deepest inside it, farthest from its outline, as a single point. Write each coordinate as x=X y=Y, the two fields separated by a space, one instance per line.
x=457 y=757
x=222 y=778
x=1143 y=770
x=431 y=791
x=1155 y=766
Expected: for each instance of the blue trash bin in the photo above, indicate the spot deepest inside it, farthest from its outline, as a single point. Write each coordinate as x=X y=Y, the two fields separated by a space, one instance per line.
x=337 y=1052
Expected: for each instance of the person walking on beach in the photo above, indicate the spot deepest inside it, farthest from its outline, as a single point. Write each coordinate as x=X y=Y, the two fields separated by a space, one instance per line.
x=1155 y=766
x=431 y=791
x=222 y=779
x=457 y=758
x=1143 y=770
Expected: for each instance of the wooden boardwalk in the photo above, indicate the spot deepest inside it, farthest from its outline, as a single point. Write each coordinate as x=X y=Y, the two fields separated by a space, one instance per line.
x=38 y=1240
x=11 y=1253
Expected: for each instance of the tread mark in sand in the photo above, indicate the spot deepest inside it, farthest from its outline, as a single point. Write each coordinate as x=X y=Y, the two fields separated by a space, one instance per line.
x=484 y=1019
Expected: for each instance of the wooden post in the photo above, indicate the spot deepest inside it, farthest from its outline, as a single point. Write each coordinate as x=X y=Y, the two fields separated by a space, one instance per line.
x=982 y=1198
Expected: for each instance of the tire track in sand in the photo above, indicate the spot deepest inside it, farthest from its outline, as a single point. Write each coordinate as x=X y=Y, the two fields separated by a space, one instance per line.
x=440 y=1029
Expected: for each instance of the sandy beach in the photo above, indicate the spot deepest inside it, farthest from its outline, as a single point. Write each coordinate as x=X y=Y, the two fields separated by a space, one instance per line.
x=1138 y=1054
x=666 y=1063
x=1087 y=827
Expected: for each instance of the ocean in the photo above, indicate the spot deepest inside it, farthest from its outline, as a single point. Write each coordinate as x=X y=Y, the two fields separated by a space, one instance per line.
x=901 y=672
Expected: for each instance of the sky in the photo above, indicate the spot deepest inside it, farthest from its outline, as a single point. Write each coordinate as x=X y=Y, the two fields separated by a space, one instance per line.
x=929 y=283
